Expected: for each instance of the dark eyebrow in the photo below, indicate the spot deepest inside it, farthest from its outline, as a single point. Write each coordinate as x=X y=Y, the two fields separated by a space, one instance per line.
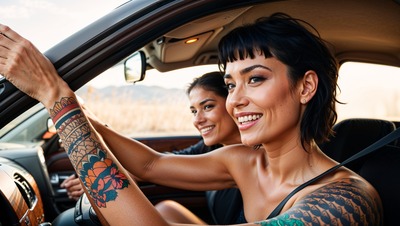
x=226 y=76
x=206 y=100
x=248 y=69
x=203 y=102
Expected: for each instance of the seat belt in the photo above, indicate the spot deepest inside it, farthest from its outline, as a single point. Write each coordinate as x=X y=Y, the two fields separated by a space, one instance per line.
x=373 y=147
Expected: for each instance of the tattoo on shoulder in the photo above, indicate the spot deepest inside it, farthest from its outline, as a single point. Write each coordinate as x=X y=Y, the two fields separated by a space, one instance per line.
x=346 y=202
x=282 y=220
x=99 y=174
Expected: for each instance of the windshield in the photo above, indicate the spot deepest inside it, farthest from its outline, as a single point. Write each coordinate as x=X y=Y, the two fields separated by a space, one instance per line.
x=28 y=127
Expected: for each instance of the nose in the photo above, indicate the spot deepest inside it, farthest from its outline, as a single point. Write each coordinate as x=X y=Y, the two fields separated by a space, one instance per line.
x=199 y=118
x=236 y=98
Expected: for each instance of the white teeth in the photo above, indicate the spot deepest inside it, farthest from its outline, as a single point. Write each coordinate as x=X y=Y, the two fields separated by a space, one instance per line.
x=247 y=118
x=204 y=130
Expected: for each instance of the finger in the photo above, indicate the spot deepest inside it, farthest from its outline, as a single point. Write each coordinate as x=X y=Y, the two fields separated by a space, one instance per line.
x=68 y=179
x=76 y=187
x=74 y=182
x=77 y=193
x=9 y=33
x=5 y=45
x=25 y=66
x=64 y=182
x=5 y=48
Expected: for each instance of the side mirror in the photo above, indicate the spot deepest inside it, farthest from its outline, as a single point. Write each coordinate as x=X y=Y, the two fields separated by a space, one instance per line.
x=135 y=67
x=51 y=130
x=50 y=126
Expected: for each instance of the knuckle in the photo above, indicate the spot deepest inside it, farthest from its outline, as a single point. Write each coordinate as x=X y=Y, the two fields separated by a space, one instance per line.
x=5 y=28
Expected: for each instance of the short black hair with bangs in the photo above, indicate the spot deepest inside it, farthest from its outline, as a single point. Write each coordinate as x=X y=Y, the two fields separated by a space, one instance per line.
x=289 y=41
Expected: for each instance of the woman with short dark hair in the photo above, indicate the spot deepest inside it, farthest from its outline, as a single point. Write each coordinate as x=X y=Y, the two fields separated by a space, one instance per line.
x=281 y=80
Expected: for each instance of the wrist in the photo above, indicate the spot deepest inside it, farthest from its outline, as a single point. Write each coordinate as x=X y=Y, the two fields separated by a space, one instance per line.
x=53 y=96
x=61 y=105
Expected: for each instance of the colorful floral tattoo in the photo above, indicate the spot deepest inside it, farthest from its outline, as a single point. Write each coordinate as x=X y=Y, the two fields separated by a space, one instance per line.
x=98 y=173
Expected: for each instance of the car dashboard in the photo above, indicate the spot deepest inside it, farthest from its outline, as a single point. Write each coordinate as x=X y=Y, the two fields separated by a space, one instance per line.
x=20 y=197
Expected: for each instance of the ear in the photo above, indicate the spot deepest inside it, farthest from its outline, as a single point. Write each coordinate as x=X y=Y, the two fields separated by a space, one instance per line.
x=308 y=86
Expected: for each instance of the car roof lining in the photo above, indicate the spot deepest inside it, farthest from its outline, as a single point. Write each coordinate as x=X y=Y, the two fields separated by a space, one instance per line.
x=351 y=43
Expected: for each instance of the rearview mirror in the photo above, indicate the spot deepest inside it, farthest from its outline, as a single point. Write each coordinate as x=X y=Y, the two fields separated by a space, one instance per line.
x=135 y=67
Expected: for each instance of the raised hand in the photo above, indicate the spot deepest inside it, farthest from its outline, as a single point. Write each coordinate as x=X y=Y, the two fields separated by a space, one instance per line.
x=28 y=69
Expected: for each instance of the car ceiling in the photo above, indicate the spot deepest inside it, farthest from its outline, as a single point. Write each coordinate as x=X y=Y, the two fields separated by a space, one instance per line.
x=361 y=30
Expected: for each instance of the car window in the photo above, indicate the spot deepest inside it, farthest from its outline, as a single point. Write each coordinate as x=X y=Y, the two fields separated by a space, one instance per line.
x=156 y=106
x=369 y=91
x=27 y=128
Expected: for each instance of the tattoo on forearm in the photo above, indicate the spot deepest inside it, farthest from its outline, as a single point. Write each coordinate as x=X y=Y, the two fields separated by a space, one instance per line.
x=98 y=173
x=101 y=175
x=345 y=202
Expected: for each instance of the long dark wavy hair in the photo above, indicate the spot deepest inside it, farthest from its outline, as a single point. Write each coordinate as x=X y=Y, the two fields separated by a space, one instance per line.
x=288 y=40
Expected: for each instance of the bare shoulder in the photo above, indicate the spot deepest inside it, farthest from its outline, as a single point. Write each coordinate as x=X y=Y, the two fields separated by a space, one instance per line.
x=236 y=150
x=237 y=147
x=239 y=153
x=241 y=149
x=348 y=201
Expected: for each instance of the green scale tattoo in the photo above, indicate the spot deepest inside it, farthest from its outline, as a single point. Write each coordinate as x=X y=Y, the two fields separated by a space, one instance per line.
x=343 y=202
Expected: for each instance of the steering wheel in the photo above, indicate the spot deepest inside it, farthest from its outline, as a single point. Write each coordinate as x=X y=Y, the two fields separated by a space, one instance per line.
x=84 y=213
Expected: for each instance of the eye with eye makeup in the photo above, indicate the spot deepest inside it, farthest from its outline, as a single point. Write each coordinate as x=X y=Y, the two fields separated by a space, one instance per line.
x=208 y=107
x=193 y=111
x=229 y=85
x=256 y=79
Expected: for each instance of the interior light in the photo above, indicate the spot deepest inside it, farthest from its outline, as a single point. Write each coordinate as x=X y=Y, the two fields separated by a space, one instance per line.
x=191 y=40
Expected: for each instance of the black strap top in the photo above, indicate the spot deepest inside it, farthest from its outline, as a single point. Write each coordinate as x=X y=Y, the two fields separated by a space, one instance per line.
x=378 y=144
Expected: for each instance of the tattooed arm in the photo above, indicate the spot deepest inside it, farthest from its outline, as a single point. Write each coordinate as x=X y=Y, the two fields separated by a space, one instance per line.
x=346 y=202
x=105 y=180
x=147 y=164
x=107 y=183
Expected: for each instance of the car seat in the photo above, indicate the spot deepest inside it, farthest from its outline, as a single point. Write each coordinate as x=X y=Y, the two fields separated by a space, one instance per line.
x=382 y=170
x=397 y=124
x=352 y=136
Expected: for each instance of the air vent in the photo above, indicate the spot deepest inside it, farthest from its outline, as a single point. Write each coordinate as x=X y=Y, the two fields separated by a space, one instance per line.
x=25 y=189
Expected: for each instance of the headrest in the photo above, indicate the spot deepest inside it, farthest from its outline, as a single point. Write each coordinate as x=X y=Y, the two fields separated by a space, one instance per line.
x=353 y=135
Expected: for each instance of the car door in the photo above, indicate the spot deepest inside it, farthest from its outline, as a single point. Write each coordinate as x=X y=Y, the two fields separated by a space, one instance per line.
x=59 y=168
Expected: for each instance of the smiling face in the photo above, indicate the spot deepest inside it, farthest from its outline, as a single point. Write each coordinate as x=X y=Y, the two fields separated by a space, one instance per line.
x=262 y=101
x=211 y=118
